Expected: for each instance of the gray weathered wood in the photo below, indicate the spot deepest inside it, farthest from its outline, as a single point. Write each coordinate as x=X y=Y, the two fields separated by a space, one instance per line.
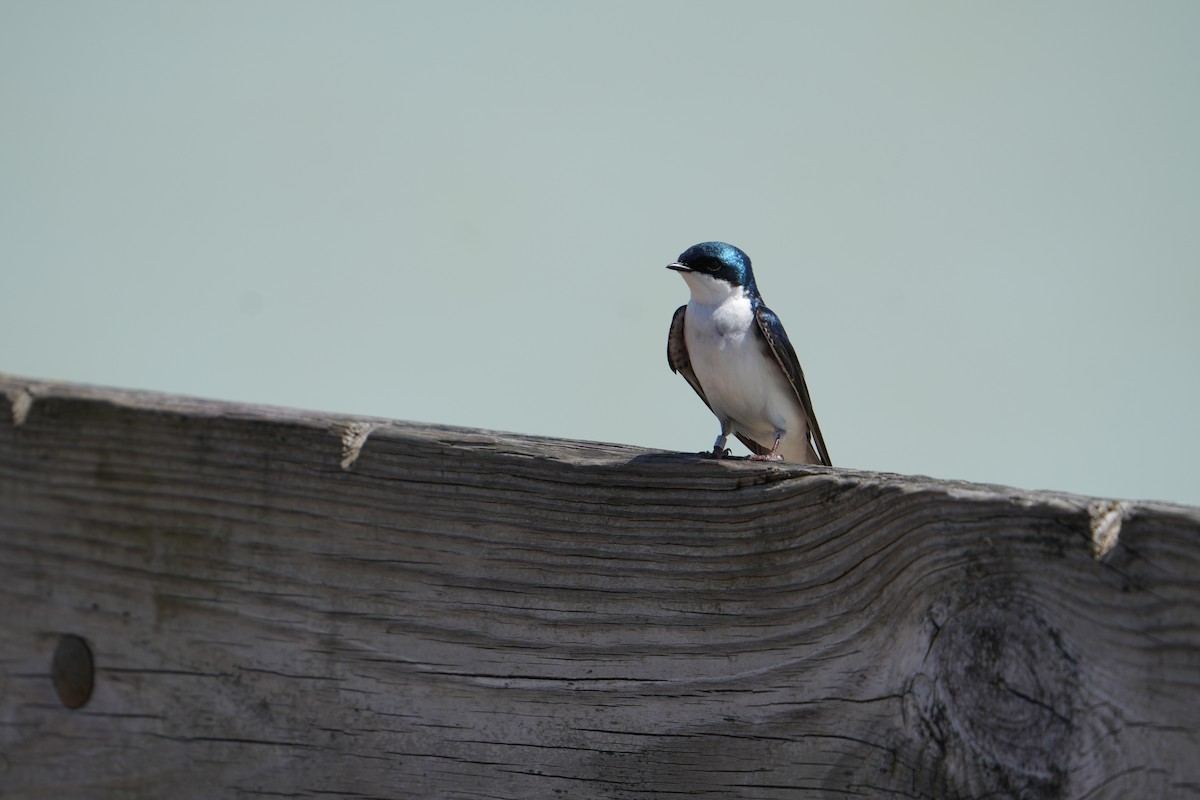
x=292 y=604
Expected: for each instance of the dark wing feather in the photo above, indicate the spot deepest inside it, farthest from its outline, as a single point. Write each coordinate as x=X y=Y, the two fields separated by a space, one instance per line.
x=777 y=340
x=681 y=362
x=677 y=354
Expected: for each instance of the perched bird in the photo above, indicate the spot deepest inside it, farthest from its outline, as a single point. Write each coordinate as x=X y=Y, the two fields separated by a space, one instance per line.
x=733 y=351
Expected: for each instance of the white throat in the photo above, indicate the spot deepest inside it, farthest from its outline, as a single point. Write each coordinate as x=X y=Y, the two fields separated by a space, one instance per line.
x=710 y=291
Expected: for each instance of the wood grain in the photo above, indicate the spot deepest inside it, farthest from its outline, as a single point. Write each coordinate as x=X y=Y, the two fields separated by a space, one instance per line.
x=282 y=603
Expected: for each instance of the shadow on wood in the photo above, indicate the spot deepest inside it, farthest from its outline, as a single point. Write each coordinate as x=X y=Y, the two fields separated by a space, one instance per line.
x=280 y=603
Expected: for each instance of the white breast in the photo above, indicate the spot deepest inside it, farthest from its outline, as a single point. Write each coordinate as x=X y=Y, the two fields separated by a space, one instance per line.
x=741 y=379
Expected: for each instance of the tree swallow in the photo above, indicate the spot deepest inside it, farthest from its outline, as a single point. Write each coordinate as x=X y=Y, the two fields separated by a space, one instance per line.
x=733 y=351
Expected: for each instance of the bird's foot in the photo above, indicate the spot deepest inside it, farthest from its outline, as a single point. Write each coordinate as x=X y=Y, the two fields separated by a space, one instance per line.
x=717 y=452
x=774 y=454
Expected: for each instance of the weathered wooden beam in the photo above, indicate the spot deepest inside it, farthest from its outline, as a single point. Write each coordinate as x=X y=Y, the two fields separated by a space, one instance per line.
x=281 y=603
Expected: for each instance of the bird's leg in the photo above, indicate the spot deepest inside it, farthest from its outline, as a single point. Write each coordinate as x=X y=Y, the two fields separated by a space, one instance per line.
x=719 y=450
x=774 y=454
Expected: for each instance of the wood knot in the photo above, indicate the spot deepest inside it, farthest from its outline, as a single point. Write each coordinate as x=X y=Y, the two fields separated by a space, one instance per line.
x=1006 y=688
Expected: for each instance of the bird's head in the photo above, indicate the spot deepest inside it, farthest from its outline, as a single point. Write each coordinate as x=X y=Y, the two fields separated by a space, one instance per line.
x=715 y=268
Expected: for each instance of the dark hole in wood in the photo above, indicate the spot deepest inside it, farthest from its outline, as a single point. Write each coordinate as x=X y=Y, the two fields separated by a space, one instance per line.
x=73 y=671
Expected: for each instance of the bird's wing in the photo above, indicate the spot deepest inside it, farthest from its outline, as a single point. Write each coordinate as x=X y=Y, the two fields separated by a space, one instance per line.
x=677 y=354
x=681 y=362
x=780 y=347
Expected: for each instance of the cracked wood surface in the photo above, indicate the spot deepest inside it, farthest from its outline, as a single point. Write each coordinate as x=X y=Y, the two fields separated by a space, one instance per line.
x=281 y=603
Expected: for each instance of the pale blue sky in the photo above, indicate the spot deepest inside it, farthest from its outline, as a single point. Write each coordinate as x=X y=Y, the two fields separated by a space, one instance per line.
x=980 y=223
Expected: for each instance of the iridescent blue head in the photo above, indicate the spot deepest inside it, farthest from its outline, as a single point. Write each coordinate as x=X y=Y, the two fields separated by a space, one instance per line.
x=718 y=260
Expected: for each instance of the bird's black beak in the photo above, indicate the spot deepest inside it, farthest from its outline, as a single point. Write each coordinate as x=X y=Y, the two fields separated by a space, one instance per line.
x=679 y=266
